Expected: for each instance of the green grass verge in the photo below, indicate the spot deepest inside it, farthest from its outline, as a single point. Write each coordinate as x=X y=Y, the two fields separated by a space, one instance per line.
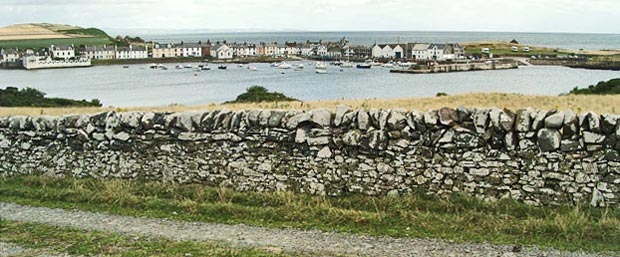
x=460 y=218
x=507 y=52
x=34 y=236
x=44 y=43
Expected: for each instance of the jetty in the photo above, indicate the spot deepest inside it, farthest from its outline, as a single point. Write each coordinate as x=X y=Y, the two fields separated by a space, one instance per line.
x=459 y=67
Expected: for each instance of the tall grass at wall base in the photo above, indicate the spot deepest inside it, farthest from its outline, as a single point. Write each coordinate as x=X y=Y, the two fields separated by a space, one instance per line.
x=458 y=218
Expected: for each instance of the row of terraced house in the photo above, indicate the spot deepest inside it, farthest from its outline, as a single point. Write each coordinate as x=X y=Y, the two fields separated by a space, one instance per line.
x=224 y=50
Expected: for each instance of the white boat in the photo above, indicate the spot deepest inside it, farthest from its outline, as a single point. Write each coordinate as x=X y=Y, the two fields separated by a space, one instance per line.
x=178 y=67
x=252 y=68
x=187 y=66
x=301 y=66
x=388 y=65
x=240 y=65
x=320 y=66
x=321 y=71
x=373 y=63
x=275 y=64
x=284 y=66
x=405 y=64
x=346 y=65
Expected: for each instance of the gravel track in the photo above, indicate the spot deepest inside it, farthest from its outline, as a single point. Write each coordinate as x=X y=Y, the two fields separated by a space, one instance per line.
x=290 y=240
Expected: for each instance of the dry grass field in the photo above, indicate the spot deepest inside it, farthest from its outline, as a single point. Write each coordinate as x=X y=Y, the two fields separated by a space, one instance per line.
x=34 y=31
x=577 y=103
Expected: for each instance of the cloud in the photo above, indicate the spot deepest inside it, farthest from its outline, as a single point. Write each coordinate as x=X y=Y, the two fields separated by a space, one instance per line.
x=442 y=15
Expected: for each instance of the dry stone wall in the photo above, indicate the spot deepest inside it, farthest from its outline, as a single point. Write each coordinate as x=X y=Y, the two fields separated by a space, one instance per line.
x=534 y=156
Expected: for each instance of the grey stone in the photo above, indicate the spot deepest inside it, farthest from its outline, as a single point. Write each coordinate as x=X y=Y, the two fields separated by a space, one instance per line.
x=122 y=136
x=127 y=119
x=480 y=172
x=341 y=110
x=523 y=120
x=538 y=119
x=555 y=120
x=276 y=118
x=593 y=122
x=481 y=120
x=593 y=138
x=325 y=153
x=570 y=146
x=397 y=120
x=448 y=117
x=363 y=120
x=549 y=139
x=299 y=118
x=321 y=117
x=506 y=120
x=352 y=138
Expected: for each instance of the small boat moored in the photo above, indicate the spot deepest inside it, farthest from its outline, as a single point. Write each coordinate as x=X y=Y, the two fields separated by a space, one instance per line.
x=364 y=66
x=222 y=67
x=321 y=71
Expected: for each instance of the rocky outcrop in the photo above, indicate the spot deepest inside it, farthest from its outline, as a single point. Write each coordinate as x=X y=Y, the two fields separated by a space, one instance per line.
x=537 y=157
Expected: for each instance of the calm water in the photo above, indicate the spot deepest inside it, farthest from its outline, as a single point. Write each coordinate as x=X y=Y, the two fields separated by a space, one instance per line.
x=555 y=40
x=140 y=86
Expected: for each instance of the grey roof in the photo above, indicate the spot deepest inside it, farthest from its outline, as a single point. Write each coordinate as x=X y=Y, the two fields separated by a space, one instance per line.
x=63 y=48
x=97 y=48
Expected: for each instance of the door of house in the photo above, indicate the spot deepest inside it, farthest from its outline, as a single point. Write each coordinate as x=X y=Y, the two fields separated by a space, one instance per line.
x=399 y=55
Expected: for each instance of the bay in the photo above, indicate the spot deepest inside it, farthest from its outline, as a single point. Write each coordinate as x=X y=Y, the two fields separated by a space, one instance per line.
x=141 y=86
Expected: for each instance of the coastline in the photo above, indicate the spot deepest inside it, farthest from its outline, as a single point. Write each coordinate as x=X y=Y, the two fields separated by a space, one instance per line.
x=577 y=103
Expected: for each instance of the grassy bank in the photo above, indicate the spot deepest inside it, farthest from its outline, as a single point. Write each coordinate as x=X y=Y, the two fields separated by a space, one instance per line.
x=459 y=218
x=44 y=43
x=578 y=103
x=51 y=239
x=505 y=49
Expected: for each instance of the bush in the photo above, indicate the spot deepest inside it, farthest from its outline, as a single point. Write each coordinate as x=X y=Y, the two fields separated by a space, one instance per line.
x=257 y=94
x=440 y=94
x=611 y=87
x=30 y=97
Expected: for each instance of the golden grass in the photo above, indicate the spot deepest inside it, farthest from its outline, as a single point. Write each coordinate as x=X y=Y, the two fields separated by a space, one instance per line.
x=578 y=103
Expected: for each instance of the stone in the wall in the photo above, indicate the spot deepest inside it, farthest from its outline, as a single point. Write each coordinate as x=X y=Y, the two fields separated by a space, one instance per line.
x=549 y=139
x=321 y=117
x=341 y=110
x=523 y=120
x=397 y=120
x=363 y=120
x=297 y=119
x=554 y=120
x=538 y=119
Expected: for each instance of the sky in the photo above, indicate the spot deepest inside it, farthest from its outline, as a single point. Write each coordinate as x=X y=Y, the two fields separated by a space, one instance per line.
x=578 y=16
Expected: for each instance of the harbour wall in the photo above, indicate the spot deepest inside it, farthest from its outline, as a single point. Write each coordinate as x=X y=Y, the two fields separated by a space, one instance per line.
x=459 y=67
x=534 y=156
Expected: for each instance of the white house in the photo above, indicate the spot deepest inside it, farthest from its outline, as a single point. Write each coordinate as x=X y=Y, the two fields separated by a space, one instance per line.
x=166 y=51
x=334 y=52
x=9 y=55
x=292 y=49
x=321 y=50
x=437 y=52
x=244 y=49
x=62 y=52
x=98 y=52
x=222 y=52
x=131 y=52
x=190 y=49
x=388 y=51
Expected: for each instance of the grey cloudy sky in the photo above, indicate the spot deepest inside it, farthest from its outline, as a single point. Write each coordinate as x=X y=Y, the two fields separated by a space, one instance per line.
x=583 y=16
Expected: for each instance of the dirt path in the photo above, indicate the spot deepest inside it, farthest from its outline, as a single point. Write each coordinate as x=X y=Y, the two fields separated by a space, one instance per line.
x=311 y=242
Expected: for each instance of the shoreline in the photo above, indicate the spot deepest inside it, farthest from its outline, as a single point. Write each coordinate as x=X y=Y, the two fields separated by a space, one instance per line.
x=577 y=103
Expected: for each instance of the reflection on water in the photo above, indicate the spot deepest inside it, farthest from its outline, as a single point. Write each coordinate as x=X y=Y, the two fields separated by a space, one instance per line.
x=140 y=86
